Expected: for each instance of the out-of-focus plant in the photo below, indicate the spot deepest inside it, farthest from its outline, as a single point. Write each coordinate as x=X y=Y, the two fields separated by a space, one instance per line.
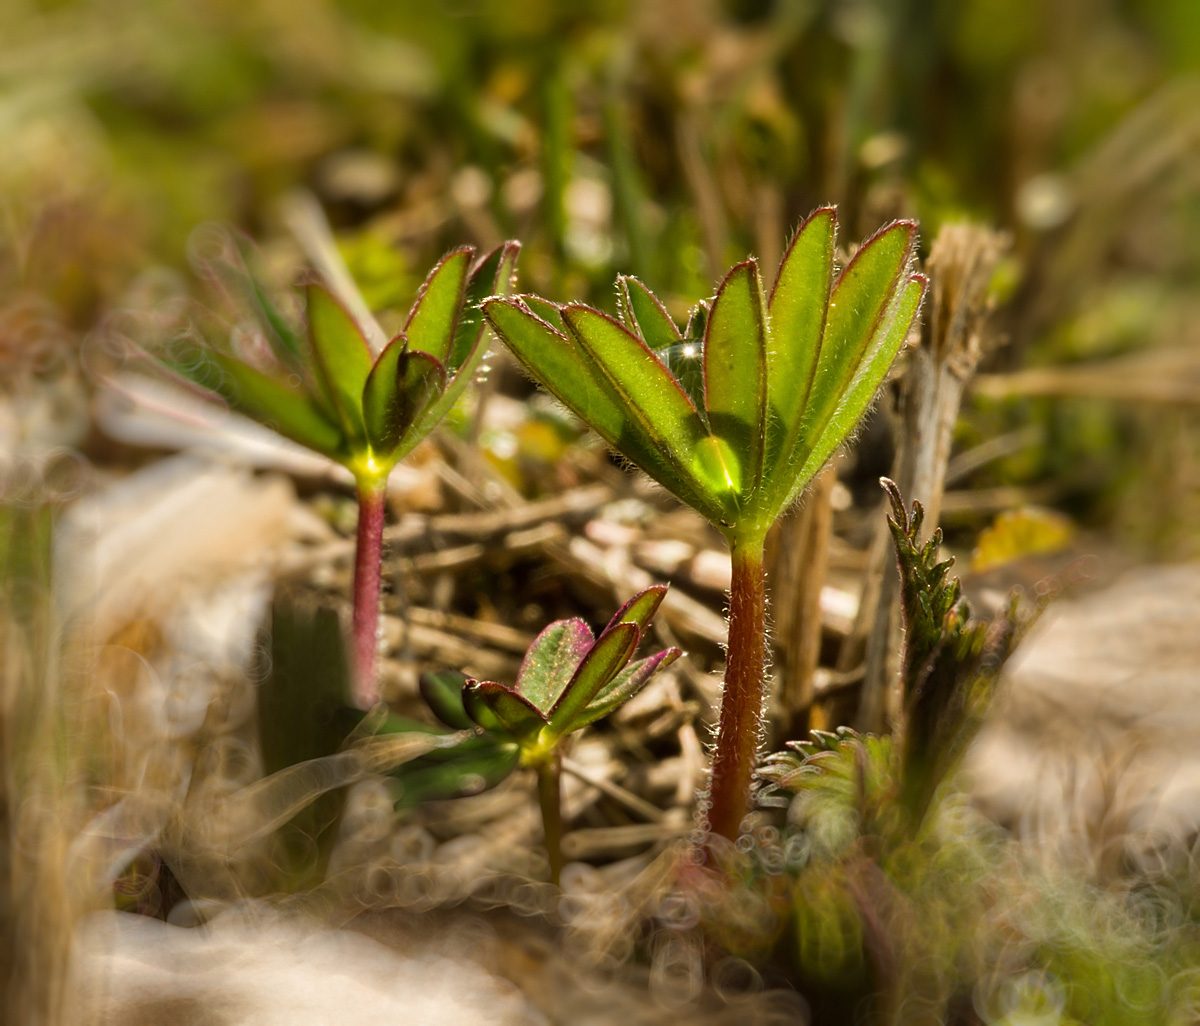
x=873 y=811
x=735 y=414
x=568 y=679
x=325 y=389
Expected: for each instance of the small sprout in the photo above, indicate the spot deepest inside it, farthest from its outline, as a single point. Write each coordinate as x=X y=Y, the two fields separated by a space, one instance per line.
x=324 y=389
x=568 y=680
x=735 y=414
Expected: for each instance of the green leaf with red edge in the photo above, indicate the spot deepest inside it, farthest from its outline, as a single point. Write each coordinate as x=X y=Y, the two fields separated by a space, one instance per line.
x=857 y=305
x=434 y=316
x=554 y=359
x=798 y=305
x=886 y=342
x=341 y=357
x=735 y=372
x=549 y=312
x=552 y=660
x=443 y=693
x=603 y=662
x=640 y=609
x=398 y=390
x=502 y=710
x=661 y=429
x=623 y=687
x=248 y=391
x=645 y=315
x=494 y=273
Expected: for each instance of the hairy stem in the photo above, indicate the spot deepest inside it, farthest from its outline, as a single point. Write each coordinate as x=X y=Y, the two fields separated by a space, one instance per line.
x=550 y=796
x=741 y=702
x=368 y=572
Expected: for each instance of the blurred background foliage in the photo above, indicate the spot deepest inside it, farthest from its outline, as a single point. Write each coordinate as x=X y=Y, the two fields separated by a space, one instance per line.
x=665 y=138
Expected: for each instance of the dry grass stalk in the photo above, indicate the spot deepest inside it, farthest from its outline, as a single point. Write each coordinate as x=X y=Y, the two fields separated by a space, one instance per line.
x=954 y=340
x=802 y=558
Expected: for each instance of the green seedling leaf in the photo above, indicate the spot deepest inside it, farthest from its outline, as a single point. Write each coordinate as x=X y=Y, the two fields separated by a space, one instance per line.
x=476 y=765
x=798 y=305
x=661 y=429
x=342 y=358
x=251 y=392
x=431 y=323
x=642 y=383
x=494 y=273
x=881 y=352
x=623 y=687
x=857 y=305
x=645 y=315
x=552 y=660
x=443 y=693
x=640 y=609
x=399 y=388
x=735 y=370
x=549 y=312
x=556 y=361
x=605 y=660
x=510 y=712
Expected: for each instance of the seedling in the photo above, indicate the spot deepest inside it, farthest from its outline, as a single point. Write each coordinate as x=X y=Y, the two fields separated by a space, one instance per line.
x=326 y=390
x=735 y=414
x=568 y=679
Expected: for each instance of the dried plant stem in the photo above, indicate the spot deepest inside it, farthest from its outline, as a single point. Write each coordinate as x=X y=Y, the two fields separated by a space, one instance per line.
x=798 y=576
x=368 y=573
x=960 y=265
x=549 y=776
x=741 y=702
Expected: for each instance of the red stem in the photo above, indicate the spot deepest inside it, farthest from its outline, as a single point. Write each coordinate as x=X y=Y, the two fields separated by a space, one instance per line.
x=368 y=575
x=741 y=702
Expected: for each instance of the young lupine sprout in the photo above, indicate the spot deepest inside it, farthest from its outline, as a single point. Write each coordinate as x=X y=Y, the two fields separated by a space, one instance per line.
x=568 y=679
x=325 y=389
x=734 y=415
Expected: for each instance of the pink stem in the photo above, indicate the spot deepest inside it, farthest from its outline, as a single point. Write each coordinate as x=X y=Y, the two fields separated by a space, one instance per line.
x=368 y=574
x=741 y=701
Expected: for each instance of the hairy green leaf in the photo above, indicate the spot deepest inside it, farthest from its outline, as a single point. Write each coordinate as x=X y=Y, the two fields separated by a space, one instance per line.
x=623 y=687
x=881 y=352
x=554 y=359
x=443 y=693
x=602 y=663
x=798 y=305
x=506 y=710
x=399 y=388
x=342 y=358
x=645 y=315
x=735 y=370
x=434 y=316
x=640 y=609
x=552 y=660
x=858 y=303
x=272 y=404
x=660 y=428
x=494 y=273
x=549 y=312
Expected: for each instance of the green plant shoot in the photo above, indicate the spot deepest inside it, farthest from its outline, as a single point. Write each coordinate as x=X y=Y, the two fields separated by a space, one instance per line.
x=568 y=679
x=326 y=390
x=734 y=414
